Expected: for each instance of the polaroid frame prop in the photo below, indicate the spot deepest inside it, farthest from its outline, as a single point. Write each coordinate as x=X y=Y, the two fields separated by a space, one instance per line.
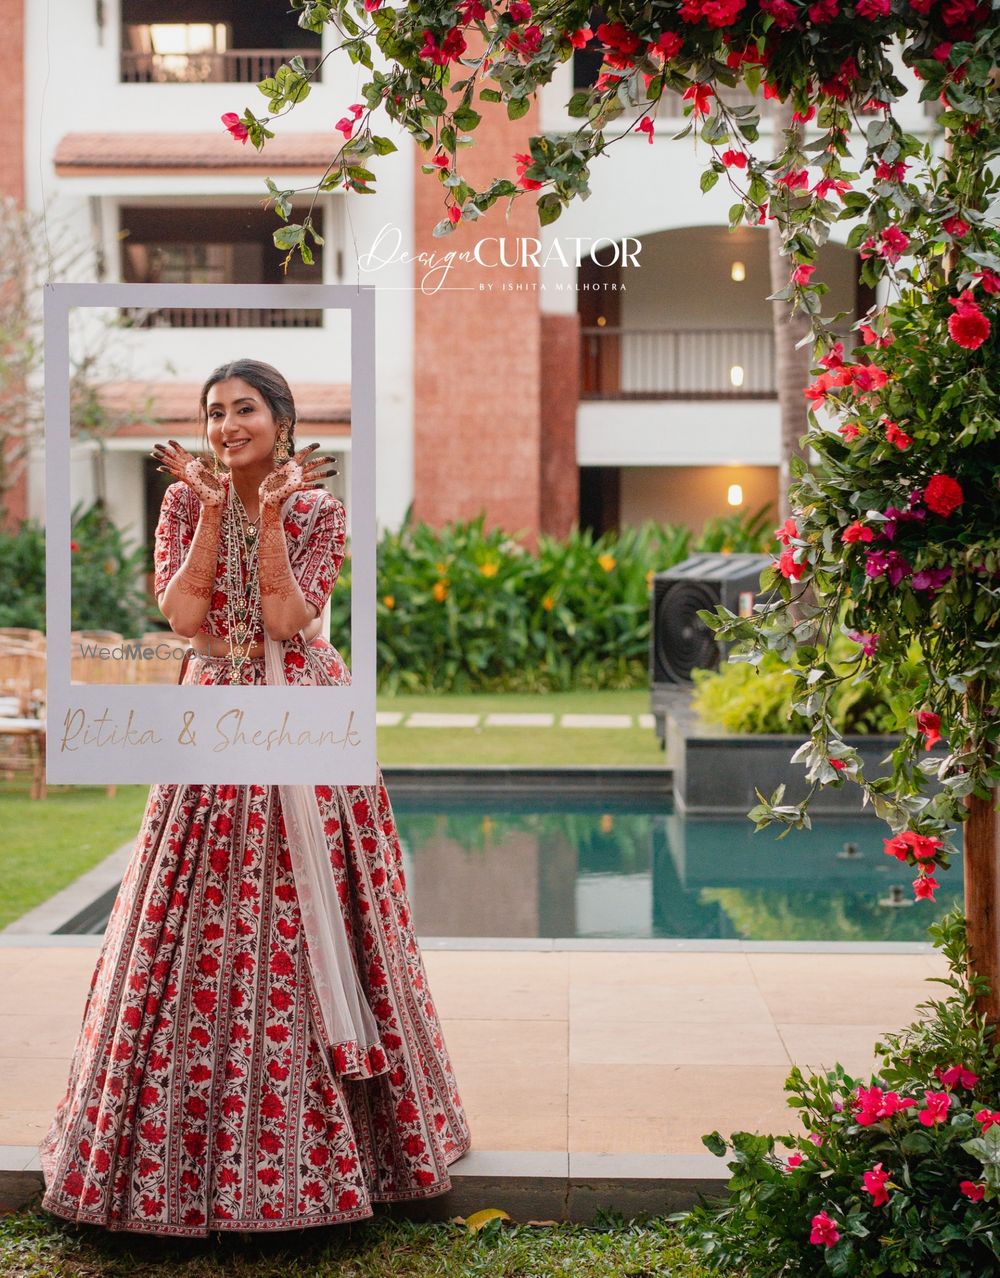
x=219 y=734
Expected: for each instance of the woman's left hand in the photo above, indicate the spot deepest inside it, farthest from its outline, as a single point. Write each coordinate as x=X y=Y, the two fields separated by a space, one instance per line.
x=299 y=472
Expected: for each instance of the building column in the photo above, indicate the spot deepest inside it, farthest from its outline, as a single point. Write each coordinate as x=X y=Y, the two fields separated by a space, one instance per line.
x=12 y=178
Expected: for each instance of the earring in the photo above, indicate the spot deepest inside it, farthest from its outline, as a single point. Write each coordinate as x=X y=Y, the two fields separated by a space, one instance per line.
x=281 y=446
x=215 y=463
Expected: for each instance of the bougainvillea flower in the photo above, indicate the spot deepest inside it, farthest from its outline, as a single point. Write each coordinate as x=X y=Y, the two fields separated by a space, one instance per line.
x=867 y=642
x=579 y=39
x=786 y=532
x=943 y=494
x=834 y=357
x=717 y=13
x=871 y=338
x=520 y=11
x=824 y=1231
x=887 y=563
x=955 y=227
x=988 y=1118
x=236 y=126
x=990 y=281
x=924 y=888
x=936 y=1107
x=794 y=179
x=617 y=36
x=923 y=847
x=857 y=532
x=454 y=214
x=794 y=1160
x=931 y=578
x=967 y=325
x=734 y=159
x=645 y=125
x=802 y=274
x=472 y=11
x=823 y=11
x=529 y=41
x=667 y=45
x=872 y=1104
x=441 y=160
x=700 y=95
x=895 y=172
x=894 y=435
x=972 y=1191
x=868 y=377
x=526 y=183
x=871 y=10
x=873 y=1182
x=850 y=431
x=957 y=1076
x=825 y=185
x=789 y=566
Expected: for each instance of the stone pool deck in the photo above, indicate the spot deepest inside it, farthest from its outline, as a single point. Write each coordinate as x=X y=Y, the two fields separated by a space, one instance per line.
x=590 y=1070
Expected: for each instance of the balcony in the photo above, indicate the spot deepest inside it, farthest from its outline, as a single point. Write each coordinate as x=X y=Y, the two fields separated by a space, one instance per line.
x=666 y=363
x=225 y=66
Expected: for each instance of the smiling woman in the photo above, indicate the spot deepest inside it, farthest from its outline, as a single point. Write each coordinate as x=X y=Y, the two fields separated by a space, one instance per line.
x=259 y=1048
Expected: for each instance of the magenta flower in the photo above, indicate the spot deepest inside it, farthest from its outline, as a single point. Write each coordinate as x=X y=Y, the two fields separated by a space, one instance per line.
x=824 y=1231
x=868 y=642
x=936 y=1106
x=972 y=1191
x=988 y=1118
x=872 y=1104
x=957 y=1076
x=931 y=578
x=887 y=563
x=873 y=1182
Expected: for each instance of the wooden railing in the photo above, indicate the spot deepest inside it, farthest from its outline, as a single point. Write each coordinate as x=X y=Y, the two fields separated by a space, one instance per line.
x=677 y=363
x=233 y=66
x=222 y=317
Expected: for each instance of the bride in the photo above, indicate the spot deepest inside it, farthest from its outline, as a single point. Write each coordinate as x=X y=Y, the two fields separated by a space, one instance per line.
x=259 y=1047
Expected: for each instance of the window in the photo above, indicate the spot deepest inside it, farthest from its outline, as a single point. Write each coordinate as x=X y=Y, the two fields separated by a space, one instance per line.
x=212 y=245
x=225 y=41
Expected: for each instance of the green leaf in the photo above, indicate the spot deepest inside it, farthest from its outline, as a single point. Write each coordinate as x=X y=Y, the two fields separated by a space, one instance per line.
x=708 y=179
x=466 y=118
x=517 y=107
x=490 y=95
x=714 y=1143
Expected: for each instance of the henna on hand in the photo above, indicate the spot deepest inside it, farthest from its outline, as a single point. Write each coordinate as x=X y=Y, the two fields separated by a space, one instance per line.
x=276 y=579
x=177 y=461
x=299 y=472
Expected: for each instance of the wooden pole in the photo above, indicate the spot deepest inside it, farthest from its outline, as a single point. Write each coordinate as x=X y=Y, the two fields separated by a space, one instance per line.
x=982 y=899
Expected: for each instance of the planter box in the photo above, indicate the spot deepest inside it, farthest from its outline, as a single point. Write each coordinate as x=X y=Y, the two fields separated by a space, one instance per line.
x=716 y=772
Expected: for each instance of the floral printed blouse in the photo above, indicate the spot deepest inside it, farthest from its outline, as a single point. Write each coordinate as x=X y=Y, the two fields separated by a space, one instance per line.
x=315 y=557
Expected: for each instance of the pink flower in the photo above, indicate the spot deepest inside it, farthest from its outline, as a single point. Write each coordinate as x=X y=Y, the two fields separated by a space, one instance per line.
x=526 y=183
x=871 y=1105
x=943 y=494
x=867 y=642
x=873 y=1182
x=857 y=532
x=520 y=11
x=645 y=125
x=850 y=431
x=823 y=11
x=957 y=1075
x=972 y=1191
x=872 y=9
x=802 y=274
x=236 y=126
x=988 y=1118
x=824 y=1231
x=454 y=214
x=929 y=724
x=794 y=1160
x=700 y=95
x=936 y=1106
x=470 y=11
x=968 y=326
x=734 y=159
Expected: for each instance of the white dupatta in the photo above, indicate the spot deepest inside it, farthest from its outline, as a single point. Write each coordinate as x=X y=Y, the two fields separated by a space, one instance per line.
x=347 y=1018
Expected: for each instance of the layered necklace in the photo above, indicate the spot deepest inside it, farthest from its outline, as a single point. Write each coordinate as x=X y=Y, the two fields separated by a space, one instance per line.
x=243 y=613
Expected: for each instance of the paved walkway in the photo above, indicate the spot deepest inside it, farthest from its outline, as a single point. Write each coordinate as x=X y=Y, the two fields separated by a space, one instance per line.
x=565 y=1052
x=423 y=719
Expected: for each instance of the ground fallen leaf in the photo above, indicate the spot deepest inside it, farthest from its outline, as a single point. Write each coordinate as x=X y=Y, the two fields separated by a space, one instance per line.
x=480 y=1218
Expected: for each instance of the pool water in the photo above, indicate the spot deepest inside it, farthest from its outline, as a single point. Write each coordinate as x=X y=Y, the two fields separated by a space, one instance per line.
x=479 y=865
x=628 y=868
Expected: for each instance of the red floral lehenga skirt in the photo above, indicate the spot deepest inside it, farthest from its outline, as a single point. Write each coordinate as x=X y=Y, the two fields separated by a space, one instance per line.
x=201 y=1095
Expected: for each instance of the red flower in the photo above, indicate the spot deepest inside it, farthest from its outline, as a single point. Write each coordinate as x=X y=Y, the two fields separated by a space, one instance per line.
x=872 y=9
x=988 y=1118
x=734 y=159
x=802 y=274
x=924 y=888
x=936 y=1106
x=968 y=326
x=786 y=532
x=894 y=435
x=795 y=179
x=943 y=495
x=579 y=39
x=667 y=46
x=824 y=1231
x=857 y=532
x=645 y=125
x=525 y=162
x=700 y=95
x=972 y=1191
x=929 y=724
x=955 y=227
x=236 y=126
x=957 y=1074
x=785 y=15
x=454 y=214
x=873 y=1182
x=789 y=567
x=823 y=11
x=520 y=11
x=74 y=545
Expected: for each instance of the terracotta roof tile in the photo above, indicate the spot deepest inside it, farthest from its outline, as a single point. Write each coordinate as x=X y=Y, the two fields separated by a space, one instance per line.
x=95 y=153
x=325 y=407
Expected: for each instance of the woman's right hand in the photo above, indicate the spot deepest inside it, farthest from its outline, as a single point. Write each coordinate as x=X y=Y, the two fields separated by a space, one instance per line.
x=192 y=471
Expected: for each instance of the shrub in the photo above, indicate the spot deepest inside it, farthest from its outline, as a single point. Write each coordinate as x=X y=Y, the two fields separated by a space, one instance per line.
x=22 y=576
x=742 y=697
x=899 y=1175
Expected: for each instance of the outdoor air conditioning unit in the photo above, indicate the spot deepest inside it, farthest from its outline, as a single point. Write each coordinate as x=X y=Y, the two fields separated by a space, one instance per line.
x=680 y=642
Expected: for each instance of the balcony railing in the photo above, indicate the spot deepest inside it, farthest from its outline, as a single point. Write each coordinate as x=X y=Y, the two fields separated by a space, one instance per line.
x=669 y=363
x=233 y=66
x=222 y=317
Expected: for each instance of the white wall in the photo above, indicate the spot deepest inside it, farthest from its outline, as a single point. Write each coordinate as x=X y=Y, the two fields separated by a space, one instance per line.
x=677 y=433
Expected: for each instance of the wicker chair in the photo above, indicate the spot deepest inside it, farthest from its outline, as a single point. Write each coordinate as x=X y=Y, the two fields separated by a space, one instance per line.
x=22 y=726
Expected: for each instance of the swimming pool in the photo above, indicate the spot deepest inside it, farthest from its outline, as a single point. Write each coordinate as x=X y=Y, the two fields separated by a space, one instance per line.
x=485 y=863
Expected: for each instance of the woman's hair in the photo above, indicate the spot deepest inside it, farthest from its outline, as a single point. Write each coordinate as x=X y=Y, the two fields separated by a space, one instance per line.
x=266 y=380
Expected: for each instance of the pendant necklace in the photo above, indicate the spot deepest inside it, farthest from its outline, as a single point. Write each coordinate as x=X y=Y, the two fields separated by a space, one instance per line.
x=243 y=611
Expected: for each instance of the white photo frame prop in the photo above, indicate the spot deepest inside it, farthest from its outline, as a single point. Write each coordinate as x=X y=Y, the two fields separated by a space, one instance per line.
x=219 y=734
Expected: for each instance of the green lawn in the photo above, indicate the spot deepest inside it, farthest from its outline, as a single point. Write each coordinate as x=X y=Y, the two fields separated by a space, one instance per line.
x=49 y=843
x=35 y=1246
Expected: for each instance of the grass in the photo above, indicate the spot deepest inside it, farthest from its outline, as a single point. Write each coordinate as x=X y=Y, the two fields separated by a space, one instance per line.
x=613 y=747
x=32 y=1244
x=46 y=845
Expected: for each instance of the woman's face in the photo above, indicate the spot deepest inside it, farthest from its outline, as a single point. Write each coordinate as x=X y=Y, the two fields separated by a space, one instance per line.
x=241 y=427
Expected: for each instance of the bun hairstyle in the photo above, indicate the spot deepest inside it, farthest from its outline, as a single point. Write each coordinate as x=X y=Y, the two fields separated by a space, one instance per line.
x=266 y=380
